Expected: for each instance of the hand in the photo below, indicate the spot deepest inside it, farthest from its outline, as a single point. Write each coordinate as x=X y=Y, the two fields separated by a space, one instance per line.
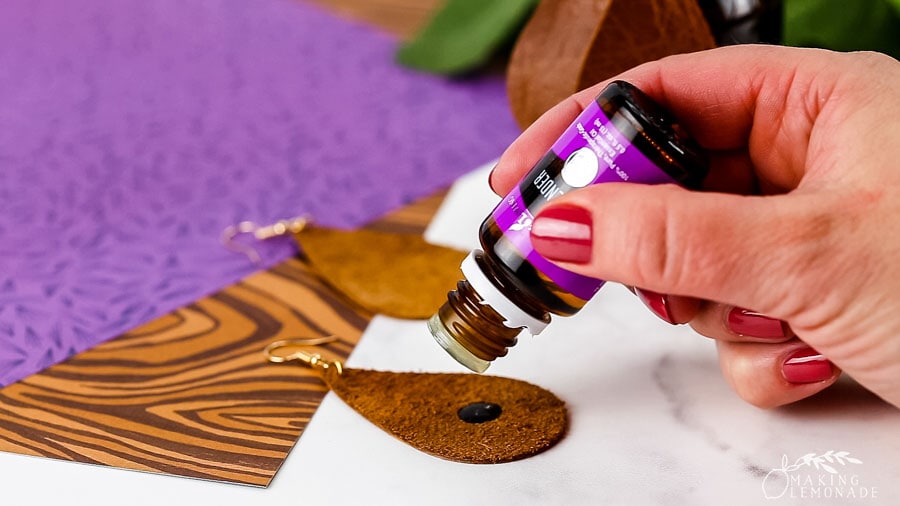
x=800 y=220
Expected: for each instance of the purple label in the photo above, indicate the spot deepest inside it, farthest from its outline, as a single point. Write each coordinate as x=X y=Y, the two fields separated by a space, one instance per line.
x=593 y=151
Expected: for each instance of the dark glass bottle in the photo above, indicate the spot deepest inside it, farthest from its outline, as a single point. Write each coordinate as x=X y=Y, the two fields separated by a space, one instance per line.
x=744 y=21
x=622 y=136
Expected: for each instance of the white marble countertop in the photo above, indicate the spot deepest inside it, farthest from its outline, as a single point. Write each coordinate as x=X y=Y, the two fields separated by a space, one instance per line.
x=652 y=422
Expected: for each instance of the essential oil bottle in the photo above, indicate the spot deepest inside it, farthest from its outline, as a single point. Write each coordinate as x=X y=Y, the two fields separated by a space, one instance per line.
x=622 y=136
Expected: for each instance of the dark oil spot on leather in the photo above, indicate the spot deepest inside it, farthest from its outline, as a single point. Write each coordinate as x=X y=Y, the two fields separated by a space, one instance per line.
x=479 y=412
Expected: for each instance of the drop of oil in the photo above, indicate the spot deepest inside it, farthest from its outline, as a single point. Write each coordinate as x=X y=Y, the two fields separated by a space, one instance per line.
x=479 y=412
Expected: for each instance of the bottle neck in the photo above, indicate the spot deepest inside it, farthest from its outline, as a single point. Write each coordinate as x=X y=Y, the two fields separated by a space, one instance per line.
x=494 y=290
x=478 y=323
x=475 y=325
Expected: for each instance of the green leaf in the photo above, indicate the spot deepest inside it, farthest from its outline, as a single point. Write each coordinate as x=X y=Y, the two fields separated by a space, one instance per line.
x=843 y=26
x=895 y=4
x=465 y=34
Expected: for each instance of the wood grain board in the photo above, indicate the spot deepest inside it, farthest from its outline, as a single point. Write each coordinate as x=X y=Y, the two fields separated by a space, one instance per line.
x=190 y=393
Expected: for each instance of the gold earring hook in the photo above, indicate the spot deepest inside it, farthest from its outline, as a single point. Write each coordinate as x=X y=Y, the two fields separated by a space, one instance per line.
x=314 y=360
x=260 y=233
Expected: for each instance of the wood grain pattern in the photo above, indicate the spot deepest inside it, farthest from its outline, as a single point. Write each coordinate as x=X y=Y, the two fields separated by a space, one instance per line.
x=190 y=393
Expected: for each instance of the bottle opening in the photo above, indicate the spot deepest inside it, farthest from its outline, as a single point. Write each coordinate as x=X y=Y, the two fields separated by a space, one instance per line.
x=453 y=347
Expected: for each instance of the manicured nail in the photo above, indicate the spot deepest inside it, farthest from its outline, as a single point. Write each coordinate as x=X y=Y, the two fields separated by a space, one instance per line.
x=745 y=322
x=806 y=365
x=657 y=302
x=563 y=233
x=491 y=179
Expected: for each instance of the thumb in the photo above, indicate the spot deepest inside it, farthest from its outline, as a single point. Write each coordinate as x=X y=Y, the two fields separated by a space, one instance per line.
x=748 y=251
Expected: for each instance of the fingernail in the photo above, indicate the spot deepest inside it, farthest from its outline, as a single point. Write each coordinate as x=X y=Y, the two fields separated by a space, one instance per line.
x=657 y=302
x=806 y=365
x=745 y=322
x=491 y=179
x=563 y=233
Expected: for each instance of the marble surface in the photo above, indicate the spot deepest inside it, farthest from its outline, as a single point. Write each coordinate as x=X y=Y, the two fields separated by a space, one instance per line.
x=652 y=422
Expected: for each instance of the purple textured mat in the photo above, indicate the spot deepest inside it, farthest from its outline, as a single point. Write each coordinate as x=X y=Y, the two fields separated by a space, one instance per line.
x=133 y=132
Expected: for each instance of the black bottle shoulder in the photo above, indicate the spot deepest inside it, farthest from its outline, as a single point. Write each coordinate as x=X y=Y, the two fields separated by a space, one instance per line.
x=655 y=132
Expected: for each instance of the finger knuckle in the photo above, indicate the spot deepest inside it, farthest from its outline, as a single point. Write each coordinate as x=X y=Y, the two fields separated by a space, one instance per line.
x=650 y=246
x=675 y=246
x=802 y=260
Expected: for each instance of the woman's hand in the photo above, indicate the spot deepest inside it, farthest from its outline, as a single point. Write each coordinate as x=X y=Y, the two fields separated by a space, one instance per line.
x=791 y=258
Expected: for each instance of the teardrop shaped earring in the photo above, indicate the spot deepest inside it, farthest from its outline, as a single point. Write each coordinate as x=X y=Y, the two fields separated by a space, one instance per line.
x=460 y=417
x=394 y=274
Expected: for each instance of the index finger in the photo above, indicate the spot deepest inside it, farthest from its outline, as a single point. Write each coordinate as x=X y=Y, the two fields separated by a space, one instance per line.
x=718 y=95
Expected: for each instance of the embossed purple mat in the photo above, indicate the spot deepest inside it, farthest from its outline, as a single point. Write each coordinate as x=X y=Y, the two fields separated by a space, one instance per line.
x=132 y=132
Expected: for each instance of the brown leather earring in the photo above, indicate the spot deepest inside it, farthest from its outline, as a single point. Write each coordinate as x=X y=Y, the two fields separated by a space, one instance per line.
x=394 y=274
x=460 y=417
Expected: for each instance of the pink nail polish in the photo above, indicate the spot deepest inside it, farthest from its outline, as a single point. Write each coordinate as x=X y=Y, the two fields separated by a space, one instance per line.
x=806 y=365
x=657 y=302
x=745 y=322
x=563 y=233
